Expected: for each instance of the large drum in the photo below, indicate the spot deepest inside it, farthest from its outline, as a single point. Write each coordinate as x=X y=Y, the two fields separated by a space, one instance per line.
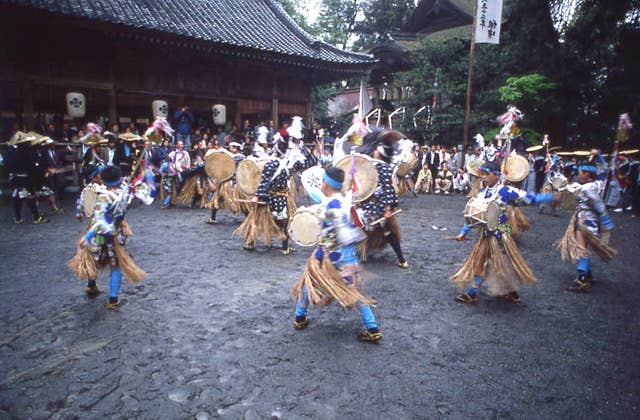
x=366 y=176
x=219 y=166
x=305 y=227
x=473 y=167
x=479 y=211
x=558 y=181
x=89 y=201
x=516 y=168
x=405 y=168
x=248 y=175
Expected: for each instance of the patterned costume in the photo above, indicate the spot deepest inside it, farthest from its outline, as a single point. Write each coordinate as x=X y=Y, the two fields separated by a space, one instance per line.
x=587 y=226
x=175 y=163
x=332 y=270
x=103 y=242
x=495 y=259
x=374 y=207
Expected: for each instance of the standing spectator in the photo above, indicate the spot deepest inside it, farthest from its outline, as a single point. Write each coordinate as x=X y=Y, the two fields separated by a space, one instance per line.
x=184 y=121
x=197 y=136
x=434 y=161
x=284 y=130
x=221 y=136
x=272 y=130
x=444 y=180
x=334 y=128
x=247 y=131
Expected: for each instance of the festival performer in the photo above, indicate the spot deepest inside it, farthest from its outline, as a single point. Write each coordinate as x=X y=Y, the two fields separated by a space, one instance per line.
x=495 y=259
x=92 y=141
x=194 y=177
x=587 y=227
x=103 y=243
x=174 y=165
x=224 y=195
x=273 y=205
x=46 y=178
x=93 y=183
x=23 y=175
x=380 y=146
x=332 y=271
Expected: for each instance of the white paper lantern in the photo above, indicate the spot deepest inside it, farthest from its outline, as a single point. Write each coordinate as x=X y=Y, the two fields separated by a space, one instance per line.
x=160 y=108
x=76 y=104
x=219 y=114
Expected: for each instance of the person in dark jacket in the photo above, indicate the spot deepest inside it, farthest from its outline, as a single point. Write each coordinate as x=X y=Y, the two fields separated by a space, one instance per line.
x=184 y=120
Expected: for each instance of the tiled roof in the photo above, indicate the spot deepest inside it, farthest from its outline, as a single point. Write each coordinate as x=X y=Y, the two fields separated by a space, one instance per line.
x=261 y=25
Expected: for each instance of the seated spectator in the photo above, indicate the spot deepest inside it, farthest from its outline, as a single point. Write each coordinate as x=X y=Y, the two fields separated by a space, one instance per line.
x=425 y=180
x=461 y=182
x=444 y=180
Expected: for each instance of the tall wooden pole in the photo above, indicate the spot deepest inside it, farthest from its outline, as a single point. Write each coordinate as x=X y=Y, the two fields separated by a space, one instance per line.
x=467 y=111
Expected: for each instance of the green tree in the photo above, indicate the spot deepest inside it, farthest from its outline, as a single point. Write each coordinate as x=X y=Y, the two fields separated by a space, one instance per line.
x=529 y=91
x=337 y=20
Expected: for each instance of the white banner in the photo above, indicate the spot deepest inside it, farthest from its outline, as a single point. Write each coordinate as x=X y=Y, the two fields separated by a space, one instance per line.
x=488 y=20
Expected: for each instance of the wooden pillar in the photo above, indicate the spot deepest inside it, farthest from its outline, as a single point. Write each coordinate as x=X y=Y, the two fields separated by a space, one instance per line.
x=309 y=116
x=113 y=106
x=237 y=115
x=274 y=112
x=27 y=107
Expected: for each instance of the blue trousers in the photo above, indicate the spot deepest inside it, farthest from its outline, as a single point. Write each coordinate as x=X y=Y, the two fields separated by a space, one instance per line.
x=583 y=266
x=473 y=290
x=369 y=319
x=114 y=284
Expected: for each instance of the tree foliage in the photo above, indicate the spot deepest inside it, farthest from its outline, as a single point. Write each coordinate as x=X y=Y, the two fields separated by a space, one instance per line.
x=529 y=90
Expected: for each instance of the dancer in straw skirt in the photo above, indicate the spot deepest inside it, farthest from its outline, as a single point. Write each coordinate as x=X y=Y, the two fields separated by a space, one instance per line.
x=332 y=270
x=589 y=226
x=103 y=242
x=224 y=195
x=495 y=259
x=380 y=146
x=270 y=220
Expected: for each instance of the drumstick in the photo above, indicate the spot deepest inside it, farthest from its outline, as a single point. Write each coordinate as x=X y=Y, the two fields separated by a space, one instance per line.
x=239 y=200
x=453 y=238
x=382 y=219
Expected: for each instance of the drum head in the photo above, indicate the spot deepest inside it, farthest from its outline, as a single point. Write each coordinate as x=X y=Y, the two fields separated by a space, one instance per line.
x=404 y=168
x=366 y=176
x=312 y=179
x=558 y=182
x=568 y=201
x=305 y=228
x=248 y=175
x=492 y=217
x=220 y=166
x=89 y=202
x=516 y=168
x=475 y=212
x=473 y=167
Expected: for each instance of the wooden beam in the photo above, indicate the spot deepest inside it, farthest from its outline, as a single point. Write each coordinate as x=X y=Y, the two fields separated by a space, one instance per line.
x=61 y=82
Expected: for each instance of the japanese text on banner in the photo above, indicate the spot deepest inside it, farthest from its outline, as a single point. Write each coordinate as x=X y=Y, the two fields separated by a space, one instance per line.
x=488 y=20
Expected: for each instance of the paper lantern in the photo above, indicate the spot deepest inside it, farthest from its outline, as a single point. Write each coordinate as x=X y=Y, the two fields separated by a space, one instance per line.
x=160 y=108
x=219 y=114
x=76 y=104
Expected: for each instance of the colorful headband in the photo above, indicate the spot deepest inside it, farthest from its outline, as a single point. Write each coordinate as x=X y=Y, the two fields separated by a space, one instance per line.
x=588 y=168
x=331 y=182
x=96 y=171
x=486 y=170
x=114 y=183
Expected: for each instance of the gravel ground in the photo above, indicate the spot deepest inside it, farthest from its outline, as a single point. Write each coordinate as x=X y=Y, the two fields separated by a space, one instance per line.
x=208 y=334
